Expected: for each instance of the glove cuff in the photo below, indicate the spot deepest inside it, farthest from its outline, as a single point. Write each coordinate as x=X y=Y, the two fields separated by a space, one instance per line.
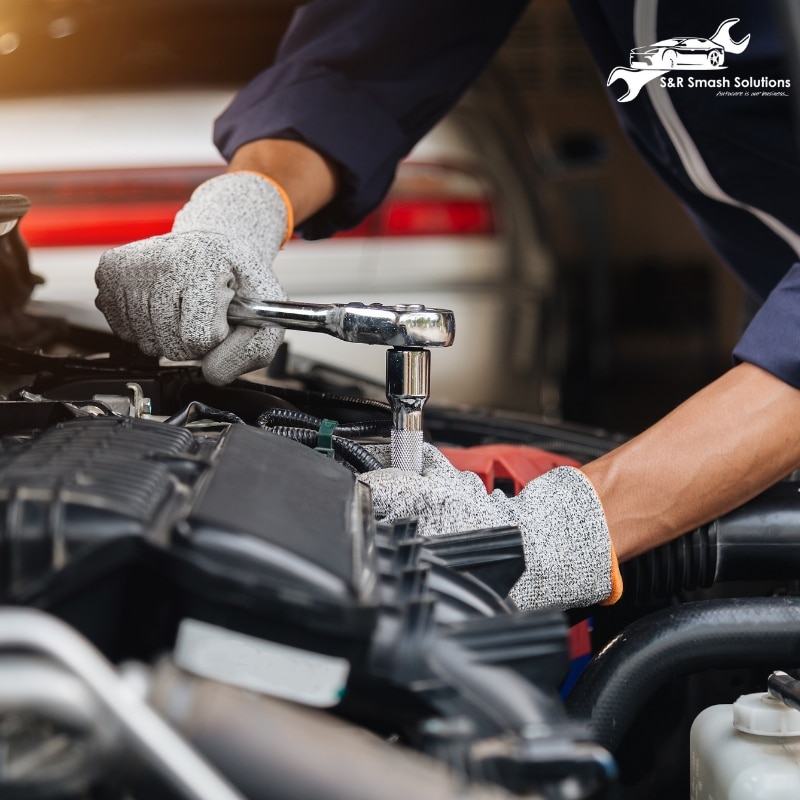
x=568 y=554
x=246 y=208
x=284 y=196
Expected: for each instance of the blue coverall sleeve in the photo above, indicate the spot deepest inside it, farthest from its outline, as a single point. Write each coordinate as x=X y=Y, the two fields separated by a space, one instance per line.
x=748 y=143
x=772 y=339
x=362 y=82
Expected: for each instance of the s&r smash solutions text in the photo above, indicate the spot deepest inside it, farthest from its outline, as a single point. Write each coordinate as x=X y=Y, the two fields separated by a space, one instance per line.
x=691 y=82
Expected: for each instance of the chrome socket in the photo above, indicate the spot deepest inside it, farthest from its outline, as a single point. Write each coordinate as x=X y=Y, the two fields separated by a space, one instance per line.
x=408 y=374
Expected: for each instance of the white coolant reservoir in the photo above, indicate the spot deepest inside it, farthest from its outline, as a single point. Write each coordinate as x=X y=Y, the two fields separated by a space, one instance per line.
x=746 y=751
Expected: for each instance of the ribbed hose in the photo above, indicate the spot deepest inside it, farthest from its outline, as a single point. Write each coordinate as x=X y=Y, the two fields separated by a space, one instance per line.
x=354 y=454
x=740 y=632
x=760 y=540
x=687 y=563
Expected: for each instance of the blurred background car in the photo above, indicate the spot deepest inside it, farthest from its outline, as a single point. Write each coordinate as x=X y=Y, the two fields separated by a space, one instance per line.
x=107 y=113
x=521 y=211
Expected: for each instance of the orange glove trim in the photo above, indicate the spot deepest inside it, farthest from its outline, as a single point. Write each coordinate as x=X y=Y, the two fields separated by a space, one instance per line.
x=286 y=201
x=616 y=581
x=616 y=575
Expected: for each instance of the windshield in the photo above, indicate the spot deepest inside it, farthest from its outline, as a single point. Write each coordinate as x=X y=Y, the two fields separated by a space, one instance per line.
x=80 y=45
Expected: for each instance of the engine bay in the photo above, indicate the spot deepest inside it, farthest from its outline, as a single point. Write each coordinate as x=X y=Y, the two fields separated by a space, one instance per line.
x=198 y=601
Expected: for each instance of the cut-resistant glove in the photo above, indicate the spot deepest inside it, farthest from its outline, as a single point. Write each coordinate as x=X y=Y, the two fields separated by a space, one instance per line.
x=170 y=294
x=569 y=559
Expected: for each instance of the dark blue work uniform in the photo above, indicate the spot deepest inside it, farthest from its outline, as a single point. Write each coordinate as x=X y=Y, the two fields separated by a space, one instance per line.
x=363 y=81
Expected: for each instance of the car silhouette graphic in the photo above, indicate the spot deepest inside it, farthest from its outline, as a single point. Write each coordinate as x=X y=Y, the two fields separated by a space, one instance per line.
x=679 y=52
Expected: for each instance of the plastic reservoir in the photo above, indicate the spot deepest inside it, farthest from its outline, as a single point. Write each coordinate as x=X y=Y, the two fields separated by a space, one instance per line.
x=749 y=750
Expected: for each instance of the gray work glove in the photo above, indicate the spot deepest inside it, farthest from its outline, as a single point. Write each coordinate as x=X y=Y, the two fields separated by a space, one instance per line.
x=169 y=294
x=568 y=554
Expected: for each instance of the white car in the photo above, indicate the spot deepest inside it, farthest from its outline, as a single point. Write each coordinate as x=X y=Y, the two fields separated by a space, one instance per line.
x=680 y=52
x=109 y=143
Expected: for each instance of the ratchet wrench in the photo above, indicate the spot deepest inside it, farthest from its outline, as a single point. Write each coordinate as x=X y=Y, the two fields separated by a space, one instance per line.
x=409 y=330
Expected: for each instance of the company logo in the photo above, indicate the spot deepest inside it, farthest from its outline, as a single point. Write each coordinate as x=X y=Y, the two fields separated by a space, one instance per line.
x=679 y=54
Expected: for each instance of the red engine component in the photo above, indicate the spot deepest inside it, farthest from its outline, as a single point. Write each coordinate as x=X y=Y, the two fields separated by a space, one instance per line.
x=495 y=463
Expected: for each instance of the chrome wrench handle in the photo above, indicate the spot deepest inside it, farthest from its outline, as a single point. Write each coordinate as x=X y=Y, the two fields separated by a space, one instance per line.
x=408 y=330
x=393 y=326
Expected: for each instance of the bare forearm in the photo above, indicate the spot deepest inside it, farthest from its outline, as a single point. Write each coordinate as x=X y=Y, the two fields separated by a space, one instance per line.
x=721 y=447
x=309 y=179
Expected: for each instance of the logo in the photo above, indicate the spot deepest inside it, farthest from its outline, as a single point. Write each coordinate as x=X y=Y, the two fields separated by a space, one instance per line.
x=679 y=54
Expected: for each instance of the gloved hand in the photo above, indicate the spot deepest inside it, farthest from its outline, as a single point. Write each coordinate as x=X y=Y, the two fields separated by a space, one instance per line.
x=569 y=559
x=169 y=294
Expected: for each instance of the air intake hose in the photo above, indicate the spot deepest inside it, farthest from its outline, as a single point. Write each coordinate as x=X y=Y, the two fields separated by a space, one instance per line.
x=758 y=541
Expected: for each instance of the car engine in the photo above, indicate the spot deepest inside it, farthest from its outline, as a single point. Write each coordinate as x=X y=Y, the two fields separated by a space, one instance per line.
x=199 y=603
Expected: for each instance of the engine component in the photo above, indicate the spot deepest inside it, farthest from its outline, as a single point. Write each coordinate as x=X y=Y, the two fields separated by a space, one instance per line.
x=494 y=555
x=57 y=738
x=143 y=729
x=145 y=536
x=113 y=491
x=505 y=466
x=746 y=750
x=138 y=532
x=283 y=752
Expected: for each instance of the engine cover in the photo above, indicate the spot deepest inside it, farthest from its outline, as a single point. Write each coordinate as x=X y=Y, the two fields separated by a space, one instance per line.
x=242 y=527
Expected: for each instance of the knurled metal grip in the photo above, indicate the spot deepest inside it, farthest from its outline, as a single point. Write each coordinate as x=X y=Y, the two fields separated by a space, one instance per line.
x=408 y=381
x=406 y=450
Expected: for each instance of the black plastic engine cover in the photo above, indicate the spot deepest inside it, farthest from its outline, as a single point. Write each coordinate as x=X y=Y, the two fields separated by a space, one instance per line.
x=282 y=494
x=124 y=525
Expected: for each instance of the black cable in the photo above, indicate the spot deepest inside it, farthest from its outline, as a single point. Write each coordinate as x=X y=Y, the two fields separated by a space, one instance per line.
x=305 y=397
x=354 y=454
x=196 y=411
x=276 y=417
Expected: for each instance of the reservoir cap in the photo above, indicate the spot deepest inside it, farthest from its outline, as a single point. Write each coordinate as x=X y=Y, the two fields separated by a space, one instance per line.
x=763 y=715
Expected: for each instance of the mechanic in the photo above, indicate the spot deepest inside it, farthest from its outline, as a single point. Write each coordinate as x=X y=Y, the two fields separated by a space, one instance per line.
x=314 y=142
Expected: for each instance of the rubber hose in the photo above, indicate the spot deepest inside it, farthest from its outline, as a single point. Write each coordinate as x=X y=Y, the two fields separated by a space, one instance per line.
x=354 y=454
x=739 y=632
x=275 y=417
x=687 y=563
x=760 y=540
